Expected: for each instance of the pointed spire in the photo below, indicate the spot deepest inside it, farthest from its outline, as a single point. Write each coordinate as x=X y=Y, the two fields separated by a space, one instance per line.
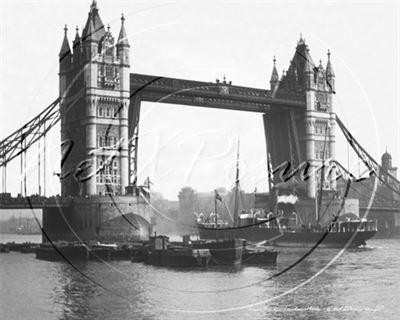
x=302 y=40
x=274 y=75
x=76 y=47
x=93 y=6
x=122 y=38
x=329 y=69
x=89 y=32
x=65 y=48
x=94 y=28
x=77 y=37
x=309 y=63
x=274 y=81
x=330 y=74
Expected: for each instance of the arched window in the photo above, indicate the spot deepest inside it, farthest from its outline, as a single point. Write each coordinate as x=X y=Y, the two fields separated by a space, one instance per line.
x=110 y=51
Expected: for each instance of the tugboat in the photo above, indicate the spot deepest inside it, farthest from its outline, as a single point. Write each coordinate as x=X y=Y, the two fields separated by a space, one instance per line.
x=283 y=228
x=223 y=252
x=242 y=252
x=165 y=254
x=64 y=251
x=280 y=231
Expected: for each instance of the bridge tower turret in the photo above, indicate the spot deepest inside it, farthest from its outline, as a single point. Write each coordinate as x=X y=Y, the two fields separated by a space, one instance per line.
x=64 y=74
x=310 y=121
x=274 y=81
x=65 y=63
x=319 y=122
x=94 y=112
x=123 y=56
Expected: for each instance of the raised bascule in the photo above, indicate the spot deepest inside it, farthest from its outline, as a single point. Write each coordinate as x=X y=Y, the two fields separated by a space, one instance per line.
x=99 y=108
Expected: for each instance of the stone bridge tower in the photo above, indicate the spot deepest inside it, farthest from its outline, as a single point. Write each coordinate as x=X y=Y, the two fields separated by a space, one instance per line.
x=305 y=135
x=94 y=91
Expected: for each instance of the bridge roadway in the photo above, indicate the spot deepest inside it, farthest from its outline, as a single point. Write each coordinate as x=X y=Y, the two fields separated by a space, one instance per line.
x=220 y=94
x=37 y=202
x=32 y=202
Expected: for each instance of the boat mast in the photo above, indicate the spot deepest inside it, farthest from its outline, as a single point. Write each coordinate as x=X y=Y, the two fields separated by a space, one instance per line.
x=270 y=174
x=236 y=202
x=215 y=209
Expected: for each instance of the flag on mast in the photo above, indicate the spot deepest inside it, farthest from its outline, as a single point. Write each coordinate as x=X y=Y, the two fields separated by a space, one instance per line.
x=217 y=196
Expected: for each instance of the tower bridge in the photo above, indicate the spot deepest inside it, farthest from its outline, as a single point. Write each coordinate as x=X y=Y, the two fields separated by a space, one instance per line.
x=99 y=108
x=297 y=110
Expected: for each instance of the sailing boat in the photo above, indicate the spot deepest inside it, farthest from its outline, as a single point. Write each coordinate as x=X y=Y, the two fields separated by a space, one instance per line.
x=283 y=227
x=251 y=254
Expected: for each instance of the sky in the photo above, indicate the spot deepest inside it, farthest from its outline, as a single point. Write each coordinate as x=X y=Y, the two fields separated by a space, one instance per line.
x=205 y=40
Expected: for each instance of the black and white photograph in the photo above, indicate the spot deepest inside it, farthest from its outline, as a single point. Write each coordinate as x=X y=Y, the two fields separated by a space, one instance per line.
x=199 y=159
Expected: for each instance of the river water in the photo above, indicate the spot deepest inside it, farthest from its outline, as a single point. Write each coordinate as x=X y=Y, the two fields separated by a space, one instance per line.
x=327 y=284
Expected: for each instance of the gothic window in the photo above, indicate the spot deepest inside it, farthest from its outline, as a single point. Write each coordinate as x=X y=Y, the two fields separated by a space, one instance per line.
x=108 y=112
x=110 y=51
x=115 y=164
x=321 y=82
x=321 y=101
x=100 y=142
x=109 y=72
x=100 y=112
x=320 y=128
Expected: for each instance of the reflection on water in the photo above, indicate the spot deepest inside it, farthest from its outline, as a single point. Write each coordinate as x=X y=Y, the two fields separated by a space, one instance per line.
x=359 y=284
